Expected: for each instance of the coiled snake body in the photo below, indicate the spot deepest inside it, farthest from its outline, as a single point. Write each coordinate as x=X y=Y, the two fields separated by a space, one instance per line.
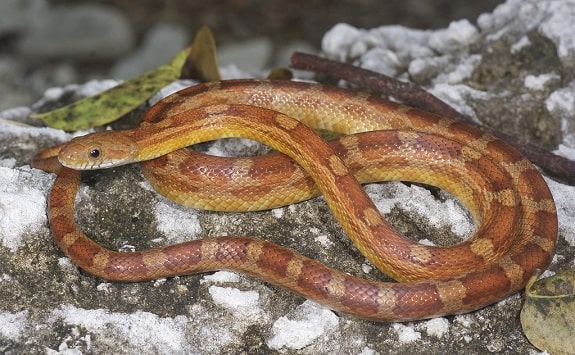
x=514 y=213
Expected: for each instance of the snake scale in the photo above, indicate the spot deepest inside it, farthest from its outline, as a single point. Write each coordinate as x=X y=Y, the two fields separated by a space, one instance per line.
x=512 y=207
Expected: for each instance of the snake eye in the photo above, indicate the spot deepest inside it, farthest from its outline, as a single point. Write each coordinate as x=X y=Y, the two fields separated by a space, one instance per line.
x=94 y=153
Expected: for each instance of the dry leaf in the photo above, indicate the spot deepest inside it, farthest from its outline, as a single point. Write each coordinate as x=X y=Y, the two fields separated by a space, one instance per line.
x=110 y=105
x=280 y=74
x=548 y=316
x=202 y=63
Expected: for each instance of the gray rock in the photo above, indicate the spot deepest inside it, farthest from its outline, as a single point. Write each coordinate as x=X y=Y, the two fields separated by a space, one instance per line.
x=252 y=55
x=83 y=32
x=11 y=93
x=160 y=44
x=13 y=18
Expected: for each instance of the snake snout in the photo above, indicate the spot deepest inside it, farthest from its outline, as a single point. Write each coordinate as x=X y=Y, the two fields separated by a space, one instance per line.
x=76 y=155
x=96 y=151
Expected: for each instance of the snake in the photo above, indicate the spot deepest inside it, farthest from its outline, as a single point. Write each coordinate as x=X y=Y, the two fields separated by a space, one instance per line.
x=512 y=208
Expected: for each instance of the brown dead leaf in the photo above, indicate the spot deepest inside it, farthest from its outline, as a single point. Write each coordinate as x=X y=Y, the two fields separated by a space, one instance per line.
x=202 y=62
x=548 y=315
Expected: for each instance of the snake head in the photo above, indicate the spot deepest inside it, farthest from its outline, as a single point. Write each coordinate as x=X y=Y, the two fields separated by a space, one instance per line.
x=98 y=151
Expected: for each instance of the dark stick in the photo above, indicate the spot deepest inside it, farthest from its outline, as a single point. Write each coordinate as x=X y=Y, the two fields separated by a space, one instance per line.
x=410 y=94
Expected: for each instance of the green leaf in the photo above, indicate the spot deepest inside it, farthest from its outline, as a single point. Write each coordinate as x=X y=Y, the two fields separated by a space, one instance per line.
x=110 y=105
x=548 y=316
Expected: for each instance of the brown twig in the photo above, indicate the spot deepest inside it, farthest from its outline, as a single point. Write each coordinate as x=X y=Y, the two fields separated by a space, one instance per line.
x=410 y=94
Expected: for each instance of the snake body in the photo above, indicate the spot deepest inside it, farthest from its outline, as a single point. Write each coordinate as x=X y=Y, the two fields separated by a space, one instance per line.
x=514 y=213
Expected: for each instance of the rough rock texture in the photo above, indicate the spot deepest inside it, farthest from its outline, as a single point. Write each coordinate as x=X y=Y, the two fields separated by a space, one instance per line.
x=514 y=67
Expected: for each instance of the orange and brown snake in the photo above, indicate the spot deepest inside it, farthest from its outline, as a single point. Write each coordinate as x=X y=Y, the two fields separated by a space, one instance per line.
x=513 y=210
